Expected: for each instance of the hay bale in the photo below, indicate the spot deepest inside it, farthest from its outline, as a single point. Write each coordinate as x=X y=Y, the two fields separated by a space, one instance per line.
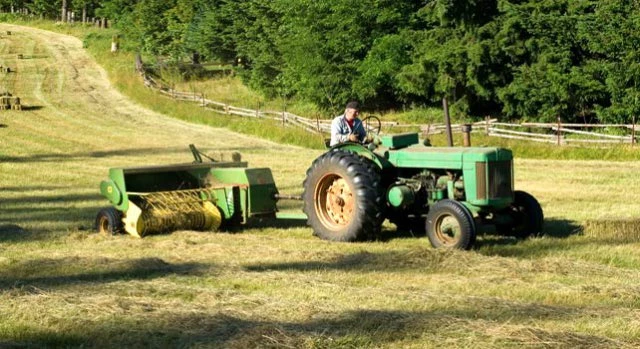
x=623 y=230
x=4 y=103
x=20 y=56
x=15 y=104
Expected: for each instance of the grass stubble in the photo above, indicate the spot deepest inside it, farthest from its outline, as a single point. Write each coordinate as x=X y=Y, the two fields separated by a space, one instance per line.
x=61 y=285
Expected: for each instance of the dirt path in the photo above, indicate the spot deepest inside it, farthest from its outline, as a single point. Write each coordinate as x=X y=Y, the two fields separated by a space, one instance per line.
x=76 y=126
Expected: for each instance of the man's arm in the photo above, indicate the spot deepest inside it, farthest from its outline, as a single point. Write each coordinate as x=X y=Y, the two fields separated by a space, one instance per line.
x=358 y=129
x=337 y=133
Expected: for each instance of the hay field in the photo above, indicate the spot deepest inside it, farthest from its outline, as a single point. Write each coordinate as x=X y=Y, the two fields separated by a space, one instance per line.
x=62 y=285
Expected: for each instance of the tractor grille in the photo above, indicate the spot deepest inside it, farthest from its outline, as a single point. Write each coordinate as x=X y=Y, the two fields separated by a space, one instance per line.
x=499 y=181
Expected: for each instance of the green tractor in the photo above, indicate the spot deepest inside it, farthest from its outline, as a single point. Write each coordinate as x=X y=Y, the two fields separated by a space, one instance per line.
x=452 y=193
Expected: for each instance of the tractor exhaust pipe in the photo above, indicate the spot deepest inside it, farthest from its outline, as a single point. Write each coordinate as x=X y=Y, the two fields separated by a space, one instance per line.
x=447 y=121
x=466 y=135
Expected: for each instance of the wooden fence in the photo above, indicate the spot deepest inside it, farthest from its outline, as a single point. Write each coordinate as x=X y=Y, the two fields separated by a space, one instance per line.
x=555 y=133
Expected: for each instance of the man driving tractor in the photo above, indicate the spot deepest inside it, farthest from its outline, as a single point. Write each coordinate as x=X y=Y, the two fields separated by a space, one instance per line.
x=347 y=127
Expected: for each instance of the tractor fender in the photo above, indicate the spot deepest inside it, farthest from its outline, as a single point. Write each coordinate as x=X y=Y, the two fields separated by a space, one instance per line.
x=362 y=150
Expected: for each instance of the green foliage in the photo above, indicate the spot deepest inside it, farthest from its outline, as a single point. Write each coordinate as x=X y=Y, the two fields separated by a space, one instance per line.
x=538 y=60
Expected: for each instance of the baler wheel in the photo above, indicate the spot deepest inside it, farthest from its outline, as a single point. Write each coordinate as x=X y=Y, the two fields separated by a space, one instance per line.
x=450 y=224
x=528 y=215
x=109 y=221
x=341 y=197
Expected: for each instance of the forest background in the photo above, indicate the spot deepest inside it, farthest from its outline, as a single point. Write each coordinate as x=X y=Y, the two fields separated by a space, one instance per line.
x=516 y=60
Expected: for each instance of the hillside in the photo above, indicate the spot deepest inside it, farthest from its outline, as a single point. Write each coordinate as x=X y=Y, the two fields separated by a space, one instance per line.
x=62 y=285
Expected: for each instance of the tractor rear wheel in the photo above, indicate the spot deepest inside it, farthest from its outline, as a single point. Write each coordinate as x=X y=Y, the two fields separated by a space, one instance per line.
x=342 y=197
x=109 y=221
x=527 y=214
x=450 y=225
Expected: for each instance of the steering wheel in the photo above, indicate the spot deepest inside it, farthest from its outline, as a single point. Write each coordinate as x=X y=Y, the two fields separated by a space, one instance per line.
x=371 y=124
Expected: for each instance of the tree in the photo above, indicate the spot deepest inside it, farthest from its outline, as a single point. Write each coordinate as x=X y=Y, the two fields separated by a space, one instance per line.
x=63 y=11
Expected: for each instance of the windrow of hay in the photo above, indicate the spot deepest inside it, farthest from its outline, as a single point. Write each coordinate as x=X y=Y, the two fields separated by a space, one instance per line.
x=620 y=230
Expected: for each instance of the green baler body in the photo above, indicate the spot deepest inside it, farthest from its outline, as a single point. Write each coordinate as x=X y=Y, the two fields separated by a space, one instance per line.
x=257 y=188
x=236 y=190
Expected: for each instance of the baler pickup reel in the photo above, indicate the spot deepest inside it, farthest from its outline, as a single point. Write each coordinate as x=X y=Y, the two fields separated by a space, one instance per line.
x=205 y=196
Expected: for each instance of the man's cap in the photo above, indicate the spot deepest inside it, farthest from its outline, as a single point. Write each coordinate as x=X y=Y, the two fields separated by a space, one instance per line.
x=353 y=105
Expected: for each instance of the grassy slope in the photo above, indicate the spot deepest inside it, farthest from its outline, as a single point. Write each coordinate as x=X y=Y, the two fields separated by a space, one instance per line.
x=61 y=285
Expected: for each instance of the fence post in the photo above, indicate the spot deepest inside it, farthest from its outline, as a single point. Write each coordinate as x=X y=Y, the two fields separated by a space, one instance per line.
x=486 y=125
x=203 y=104
x=633 y=131
x=558 y=132
x=226 y=109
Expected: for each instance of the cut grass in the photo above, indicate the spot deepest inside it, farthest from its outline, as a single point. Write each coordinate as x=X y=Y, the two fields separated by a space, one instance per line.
x=61 y=285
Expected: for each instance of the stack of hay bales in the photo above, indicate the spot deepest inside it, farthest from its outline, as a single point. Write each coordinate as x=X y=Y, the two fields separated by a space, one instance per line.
x=7 y=101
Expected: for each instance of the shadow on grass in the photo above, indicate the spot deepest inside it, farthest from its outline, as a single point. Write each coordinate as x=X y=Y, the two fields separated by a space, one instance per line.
x=561 y=235
x=389 y=234
x=49 y=199
x=284 y=223
x=136 y=152
x=553 y=228
x=36 y=217
x=351 y=329
x=4 y=125
x=54 y=273
x=422 y=259
x=95 y=154
x=31 y=107
x=23 y=189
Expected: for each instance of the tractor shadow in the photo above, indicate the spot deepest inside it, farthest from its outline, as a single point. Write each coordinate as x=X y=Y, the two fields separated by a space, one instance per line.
x=560 y=235
x=389 y=233
x=284 y=223
x=490 y=243
x=553 y=228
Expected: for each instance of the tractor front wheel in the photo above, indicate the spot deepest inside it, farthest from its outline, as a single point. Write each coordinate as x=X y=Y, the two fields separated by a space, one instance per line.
x=109 y=221
x=342 y=198
x=527 y=215
x=450 y=225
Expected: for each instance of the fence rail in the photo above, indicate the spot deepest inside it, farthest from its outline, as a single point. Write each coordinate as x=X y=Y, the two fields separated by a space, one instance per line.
x=556 y=133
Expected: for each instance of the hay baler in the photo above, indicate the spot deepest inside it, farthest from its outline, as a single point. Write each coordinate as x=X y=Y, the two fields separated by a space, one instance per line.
x=192 y=196
x=451 y=192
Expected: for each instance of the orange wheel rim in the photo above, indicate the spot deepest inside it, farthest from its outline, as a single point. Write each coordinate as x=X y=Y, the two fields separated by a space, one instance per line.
x=334 y=202
x=448 y=230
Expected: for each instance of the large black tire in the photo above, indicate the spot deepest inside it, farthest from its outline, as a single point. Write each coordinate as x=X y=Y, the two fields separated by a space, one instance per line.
x=109 y=221
x=342 y=197
x=450 y=225
x=527 y=216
